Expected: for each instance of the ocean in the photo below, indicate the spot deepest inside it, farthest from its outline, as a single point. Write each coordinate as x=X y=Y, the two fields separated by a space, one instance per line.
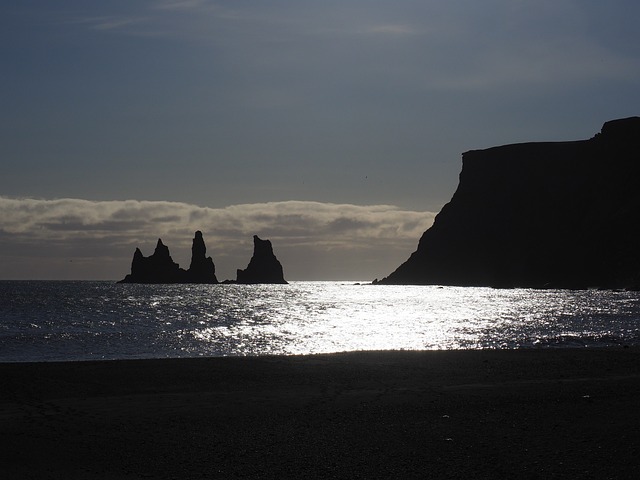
x=85 y=320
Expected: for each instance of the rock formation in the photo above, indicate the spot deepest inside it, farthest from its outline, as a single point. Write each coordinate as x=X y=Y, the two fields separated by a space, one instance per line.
x=202 y=269
x=160 y=267
x=264 y=267
x=542 y=215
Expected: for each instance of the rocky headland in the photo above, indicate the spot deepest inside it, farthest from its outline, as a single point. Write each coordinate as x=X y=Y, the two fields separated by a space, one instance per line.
x=540 y=215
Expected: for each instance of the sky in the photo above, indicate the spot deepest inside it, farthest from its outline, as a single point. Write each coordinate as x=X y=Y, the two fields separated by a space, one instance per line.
x=335 y=129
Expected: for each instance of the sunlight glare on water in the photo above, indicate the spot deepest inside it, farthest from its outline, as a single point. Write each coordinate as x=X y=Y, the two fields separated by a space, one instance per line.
x=327 y=317
x=84 y=320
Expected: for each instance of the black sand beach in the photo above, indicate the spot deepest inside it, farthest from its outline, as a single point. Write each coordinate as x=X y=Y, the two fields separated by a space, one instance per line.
x=570 y=413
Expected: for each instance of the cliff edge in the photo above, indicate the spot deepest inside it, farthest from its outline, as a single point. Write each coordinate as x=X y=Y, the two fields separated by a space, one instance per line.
x=540 y=215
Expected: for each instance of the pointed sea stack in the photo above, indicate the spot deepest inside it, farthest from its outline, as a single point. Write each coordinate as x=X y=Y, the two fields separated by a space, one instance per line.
x=264 y=267
x=160 y=267
x=202 y=269
x=157 y=268
x=541 y=215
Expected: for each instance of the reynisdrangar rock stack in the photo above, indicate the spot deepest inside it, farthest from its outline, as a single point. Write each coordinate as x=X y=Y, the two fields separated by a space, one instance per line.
x=156 y=268
x=201 y=269
x=159 y=267
x=263 y=267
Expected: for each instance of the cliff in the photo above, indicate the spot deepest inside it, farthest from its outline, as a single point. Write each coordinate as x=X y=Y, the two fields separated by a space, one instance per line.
x=263 y=267
x=541 y=215
x=160 y=267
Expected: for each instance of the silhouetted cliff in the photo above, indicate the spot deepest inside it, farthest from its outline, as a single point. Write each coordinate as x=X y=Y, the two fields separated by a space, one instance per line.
x=264 y=267
x=556 y=215
x=160 y=267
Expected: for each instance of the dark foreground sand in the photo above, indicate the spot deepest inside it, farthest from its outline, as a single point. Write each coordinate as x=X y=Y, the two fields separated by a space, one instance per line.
x=470 y=414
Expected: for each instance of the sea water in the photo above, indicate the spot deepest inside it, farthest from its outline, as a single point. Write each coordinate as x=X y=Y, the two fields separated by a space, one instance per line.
x=50 y=321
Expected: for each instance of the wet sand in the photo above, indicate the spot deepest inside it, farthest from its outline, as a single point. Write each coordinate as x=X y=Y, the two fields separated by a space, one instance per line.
x=572 y=413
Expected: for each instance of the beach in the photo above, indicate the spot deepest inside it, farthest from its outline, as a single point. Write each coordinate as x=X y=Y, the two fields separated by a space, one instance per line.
x=534 y=413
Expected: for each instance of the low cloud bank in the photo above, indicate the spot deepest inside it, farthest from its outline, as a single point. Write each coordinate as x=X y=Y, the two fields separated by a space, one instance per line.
x=83 y=239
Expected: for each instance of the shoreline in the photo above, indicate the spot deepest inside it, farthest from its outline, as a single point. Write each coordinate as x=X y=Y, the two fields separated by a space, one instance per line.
x=530 y=413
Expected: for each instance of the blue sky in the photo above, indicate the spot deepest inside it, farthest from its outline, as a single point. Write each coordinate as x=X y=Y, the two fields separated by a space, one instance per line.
x=301 y=112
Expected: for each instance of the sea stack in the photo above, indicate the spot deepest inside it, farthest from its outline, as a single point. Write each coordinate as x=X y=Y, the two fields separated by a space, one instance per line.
x=160 y=267
x=264 y=267
x=202 y=269
x=157 y=268
x=540 y=215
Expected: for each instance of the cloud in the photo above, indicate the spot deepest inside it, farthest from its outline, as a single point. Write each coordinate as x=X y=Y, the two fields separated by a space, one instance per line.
x=305 y=234
x=468 y=47
x=109 y=22
x=182 y=5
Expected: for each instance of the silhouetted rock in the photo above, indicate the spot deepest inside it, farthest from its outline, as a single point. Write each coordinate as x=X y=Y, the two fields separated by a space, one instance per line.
x=160 y=267
x=157 y=268
x=202 y=269
x=542 y=215
x=264 y=267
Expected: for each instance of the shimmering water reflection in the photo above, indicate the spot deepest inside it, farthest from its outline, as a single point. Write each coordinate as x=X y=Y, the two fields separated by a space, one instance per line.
x=81 y=320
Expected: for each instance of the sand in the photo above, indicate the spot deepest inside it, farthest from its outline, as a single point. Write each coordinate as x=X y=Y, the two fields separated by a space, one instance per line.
x=570 y=413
